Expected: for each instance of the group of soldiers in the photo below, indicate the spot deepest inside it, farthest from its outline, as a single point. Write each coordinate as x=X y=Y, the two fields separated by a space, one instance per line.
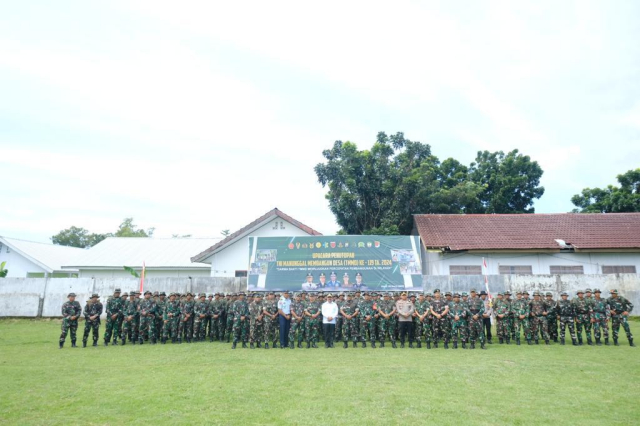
x=363 y=316
x=538 y=319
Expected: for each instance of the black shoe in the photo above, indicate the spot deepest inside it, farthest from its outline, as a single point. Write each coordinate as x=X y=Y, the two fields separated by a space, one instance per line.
x=537 y=342
x=314 y=346
x=364 y=344
x=500 y=340
x=472 y=346
x=292 y=346
x=631 y=343
x=575 y=343
x=428 y=345
x=598 y=342
x=464 y=345
x=606 y=341
x=106 y=343
x=259 y=345
x=402 y=345
x=382 y=344
x=252 y=346
x=233 y=346
x=517 y=342
x=275 y=345
x=529 y=342
x=61 y=344
x=411 y=345
x=300 y=345
x=419 y=345
x=435 y=345
x=490 y=342
x=562 y=342
x=546 y=342
x=123 y=342
x=446 y=345
x=455 y=345
x=309 y=345
x=355 y=345
x=393 y=345
x=84 y=343
x=266 y=346
x=345 y=345
x=373 y=345
x=508 y=341
x=115 y=343
x=482 y=345
x=244 y=345
x=555 y=340
x=615 y=342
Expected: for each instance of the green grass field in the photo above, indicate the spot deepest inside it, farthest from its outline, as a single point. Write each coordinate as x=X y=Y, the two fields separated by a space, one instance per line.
x=208 y=383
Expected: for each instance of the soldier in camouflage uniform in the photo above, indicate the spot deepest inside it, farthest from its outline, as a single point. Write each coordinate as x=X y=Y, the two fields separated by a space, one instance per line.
x=538 y=309
x=439 y=310
x=458 y=313
x=427 y=324
x=387 y=310
x=240 y=313
x=71 y=311
x=147 y=310
x=367 y=321
x=521 y=312
x=600 y=315
x=114 y=312
x=296 y=328
x=422 y=308
x=620 y=309
x=216 y=332
x=92 y=312
x=229 y=301
x=349 y=313
x=200 y=312
x=566 y=315
x=583 y=319
x=502 y=310
x=256 y=321
x=312 y=322
x=476 y=309
x=161 y=302
x=270 y=310
x=185 y=326
x=171 y=319
x=129 y=325
x=552 y=317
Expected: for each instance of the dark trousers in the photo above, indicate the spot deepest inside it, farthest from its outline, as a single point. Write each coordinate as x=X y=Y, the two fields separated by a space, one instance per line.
x=486 y=324
x=406 y=327
x=284 y=331
x=329 y=331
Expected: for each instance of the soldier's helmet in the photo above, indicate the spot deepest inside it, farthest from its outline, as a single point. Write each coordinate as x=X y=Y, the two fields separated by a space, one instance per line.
x=162 y=293
x=549 y=294
x=94 y=295
x=125 y=294
x=117 y=290
x=536 y=293
x=564 y=293
x=596 y=290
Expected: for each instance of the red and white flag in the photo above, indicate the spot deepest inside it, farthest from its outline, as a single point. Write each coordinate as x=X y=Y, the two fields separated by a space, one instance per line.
x=485 y=271
x=142 y=278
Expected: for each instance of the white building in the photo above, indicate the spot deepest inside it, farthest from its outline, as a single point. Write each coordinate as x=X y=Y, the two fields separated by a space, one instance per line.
x=565 y=243
x=163 y=257
x=30 y=259
x=230 y=257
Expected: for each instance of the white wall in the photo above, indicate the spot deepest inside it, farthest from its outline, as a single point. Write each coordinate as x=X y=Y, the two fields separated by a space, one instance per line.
x=149 y=273
x=17 y=265
x=235 y=257
x=438 y=263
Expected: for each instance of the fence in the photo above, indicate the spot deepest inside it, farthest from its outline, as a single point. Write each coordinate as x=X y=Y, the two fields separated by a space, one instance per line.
x=43 y=297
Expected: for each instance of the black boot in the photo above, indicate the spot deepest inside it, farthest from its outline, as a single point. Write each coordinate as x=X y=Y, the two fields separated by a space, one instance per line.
x=419 y=344
x=309 y=345
x=446 y=345
x=373 y=345
x=61 y=345
x=95 y=342
x=598 y=342
x=517 y=342
x=275 y=345
x=464 y=345
x=300 y=344
x=473 y=345
x=435 y=345
x=252 y=346
x=345 y=345
x=508 y=341
x=244 y=345
x=562 y=342
x=575 y=343
x=402 y=345
x=606 y=341
x=546 y=342
x=266 y=346
x=259 y=345
x=589 y=342
x=233 y=346
x=179 y=341
x=393 y=345
x=382 y=344
x=115 y=342
x=537 y=342
x=84 y=343
x=411 y=345
x=106 y=343
x=455 y=345
x=364 y=344
x=292 y=345
x=314 y=346
x=631 y=342
x=355 y=345
x=482 y=345
x=428 y=345
x=615 y=342
x=123 y=342
x=580 y=340
x=501 y=340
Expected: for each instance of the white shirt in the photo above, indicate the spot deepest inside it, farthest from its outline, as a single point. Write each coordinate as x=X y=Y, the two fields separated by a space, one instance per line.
x=284 y=305
x=329 y=309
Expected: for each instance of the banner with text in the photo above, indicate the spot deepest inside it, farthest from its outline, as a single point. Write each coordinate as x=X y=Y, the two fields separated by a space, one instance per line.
x=335 y=263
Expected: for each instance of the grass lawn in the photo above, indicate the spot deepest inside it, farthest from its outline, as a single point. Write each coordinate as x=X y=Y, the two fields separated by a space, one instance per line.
x=208 y=383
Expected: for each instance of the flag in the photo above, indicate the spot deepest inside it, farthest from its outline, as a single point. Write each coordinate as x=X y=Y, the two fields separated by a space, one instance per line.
x=142 y=278
x=485 y=270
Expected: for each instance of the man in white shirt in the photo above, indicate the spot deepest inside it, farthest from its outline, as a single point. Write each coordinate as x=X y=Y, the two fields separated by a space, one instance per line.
x=329 y=314
x=284 y=319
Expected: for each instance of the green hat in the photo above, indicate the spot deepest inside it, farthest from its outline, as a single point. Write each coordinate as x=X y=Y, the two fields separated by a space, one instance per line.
x=588 y=290
x=429 y=295
x=71 y=295
x=202 y=295
x=117 y=290
x=456 y=294
x=146 y=292
x=596 y=290
x=437 y=290
x=613 y=291
x=473 y=290
x=94 y=295
x=579 y=291
x=564 y=293
x=448 y=293
x=525 y=292
x=548 y=294
x=464 y=294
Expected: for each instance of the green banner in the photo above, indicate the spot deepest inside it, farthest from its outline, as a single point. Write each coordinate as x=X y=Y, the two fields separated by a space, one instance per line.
x=335 y=263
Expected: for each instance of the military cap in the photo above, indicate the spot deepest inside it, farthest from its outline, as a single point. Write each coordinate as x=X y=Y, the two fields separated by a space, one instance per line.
x=429 y=295
x=437 y=290
x=117 y=290
x=242 y=293
x=211 y=295
x=525 y=292
x=404 y=293
x=564 y=293
x=464 y=293
x=387 y=294
x=155 y=293
x=613 y=291
x=518 y=292
x=189 y=294
x=473 y=290
x=322 y=274
x=548 y=294
x=358 y=274
x=507 y=293
x=456 y=294
x=256 y=295
x=345 y=275
x=596 y=290
x=483 y=293
x=412 y=295
x=286 y=292
x=162 y=293
x=125 y=294
x=71 y=295
x=271 y=293
x=588 y=290
x=202 y=295
x=579 y=291
x=448 y=293
x=94 y=295
x=330 y=295
x=309 y=275
x=147 y=292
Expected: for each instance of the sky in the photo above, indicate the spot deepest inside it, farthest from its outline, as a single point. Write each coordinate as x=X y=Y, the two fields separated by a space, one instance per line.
x=195 y=117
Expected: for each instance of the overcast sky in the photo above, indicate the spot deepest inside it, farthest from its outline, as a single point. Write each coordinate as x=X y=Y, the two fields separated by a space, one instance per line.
x=193 y=117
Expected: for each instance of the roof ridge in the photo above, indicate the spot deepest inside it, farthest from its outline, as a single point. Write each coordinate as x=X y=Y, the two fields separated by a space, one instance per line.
x=39 y=242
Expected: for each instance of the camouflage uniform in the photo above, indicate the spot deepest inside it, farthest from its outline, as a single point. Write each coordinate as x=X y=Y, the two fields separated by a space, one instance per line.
x=552 y=318
x=367 y=325
x=600 y=315
x=113 y=309
x=240 y=310
x=538 y=320
x=171 y=318
x=339 y=319
x=501 y=307
x=312 y=325
x=476 y=308
x=458 y=326
x=270 y=324
x=200 y=312
x=160 y=304
x=520 y=308
x=421 y=326
x=147 y=310
x=185 y=326
x=256 y=322
x=70 y=309
x=229 y=318
x=91 y=309
x=129 y=325
x=297 y=324
x=350 y=307
x=582 y=308
x=618 y=305
x=440 y=327
x=566 y=315
x=216 y=332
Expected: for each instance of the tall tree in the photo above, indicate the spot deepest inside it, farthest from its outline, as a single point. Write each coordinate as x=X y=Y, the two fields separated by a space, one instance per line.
x=128 y=229
x=612 y=199
x=377 y=191
x=77 y=237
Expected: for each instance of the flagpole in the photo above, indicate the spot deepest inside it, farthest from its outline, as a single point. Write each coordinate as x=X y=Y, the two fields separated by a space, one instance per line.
x=485 y=270
x=142 y=278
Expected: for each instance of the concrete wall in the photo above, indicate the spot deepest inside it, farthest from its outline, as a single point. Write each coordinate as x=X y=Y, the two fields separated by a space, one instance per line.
x=34 y=297
x=436 y=263
x=235 y=257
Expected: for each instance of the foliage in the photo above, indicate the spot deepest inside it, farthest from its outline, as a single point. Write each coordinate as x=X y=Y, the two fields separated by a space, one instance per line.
x=3 y=271
x=128 y=229
x=132 y=271
x=77 y=237
x=612 y=199
x=377 y=191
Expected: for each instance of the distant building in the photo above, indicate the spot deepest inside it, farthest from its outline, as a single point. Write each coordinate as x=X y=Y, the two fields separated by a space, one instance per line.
x=565 y=243
x=230 y=257
x=163 y=257
x=30 y=259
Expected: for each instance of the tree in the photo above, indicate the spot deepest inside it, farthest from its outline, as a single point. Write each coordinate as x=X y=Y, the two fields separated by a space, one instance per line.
x=612 y=199
x=3 y=271
x=77 y=237
x=128 y=229
x=377 y=191
x=225 y=232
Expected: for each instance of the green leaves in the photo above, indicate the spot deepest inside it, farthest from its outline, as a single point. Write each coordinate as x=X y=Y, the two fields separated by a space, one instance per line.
x=131 y=271
x=3 y=272
x=611 y=199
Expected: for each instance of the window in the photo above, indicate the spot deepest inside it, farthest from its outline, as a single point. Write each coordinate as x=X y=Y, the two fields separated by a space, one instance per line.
x=465 y=270
x=515 y=270
x=611 y=269
x=559 y=269
x=240 y=274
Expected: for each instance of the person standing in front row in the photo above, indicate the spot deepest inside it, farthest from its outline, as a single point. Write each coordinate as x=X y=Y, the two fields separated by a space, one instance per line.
x=329 y=314
x=486 y=315
x=405 y=310
x=284 y=319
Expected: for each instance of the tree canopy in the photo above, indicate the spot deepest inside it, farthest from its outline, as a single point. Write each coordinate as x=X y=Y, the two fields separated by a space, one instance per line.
x=612 y=199
x=377 y=191
x=80 y=237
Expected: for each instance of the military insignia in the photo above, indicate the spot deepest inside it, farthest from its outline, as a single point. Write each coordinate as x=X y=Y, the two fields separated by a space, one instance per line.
x=369 y=245
x=318 y=244
x=304 y=245
x=297 y=245
x=346 y=245
x=376 y=244
x=333 y=244
x=340 y=245
x=360 y=244
x=291 y=246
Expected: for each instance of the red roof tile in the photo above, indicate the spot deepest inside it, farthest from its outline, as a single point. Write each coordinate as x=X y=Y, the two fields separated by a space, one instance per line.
x=529 y=231
x=275 y=212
